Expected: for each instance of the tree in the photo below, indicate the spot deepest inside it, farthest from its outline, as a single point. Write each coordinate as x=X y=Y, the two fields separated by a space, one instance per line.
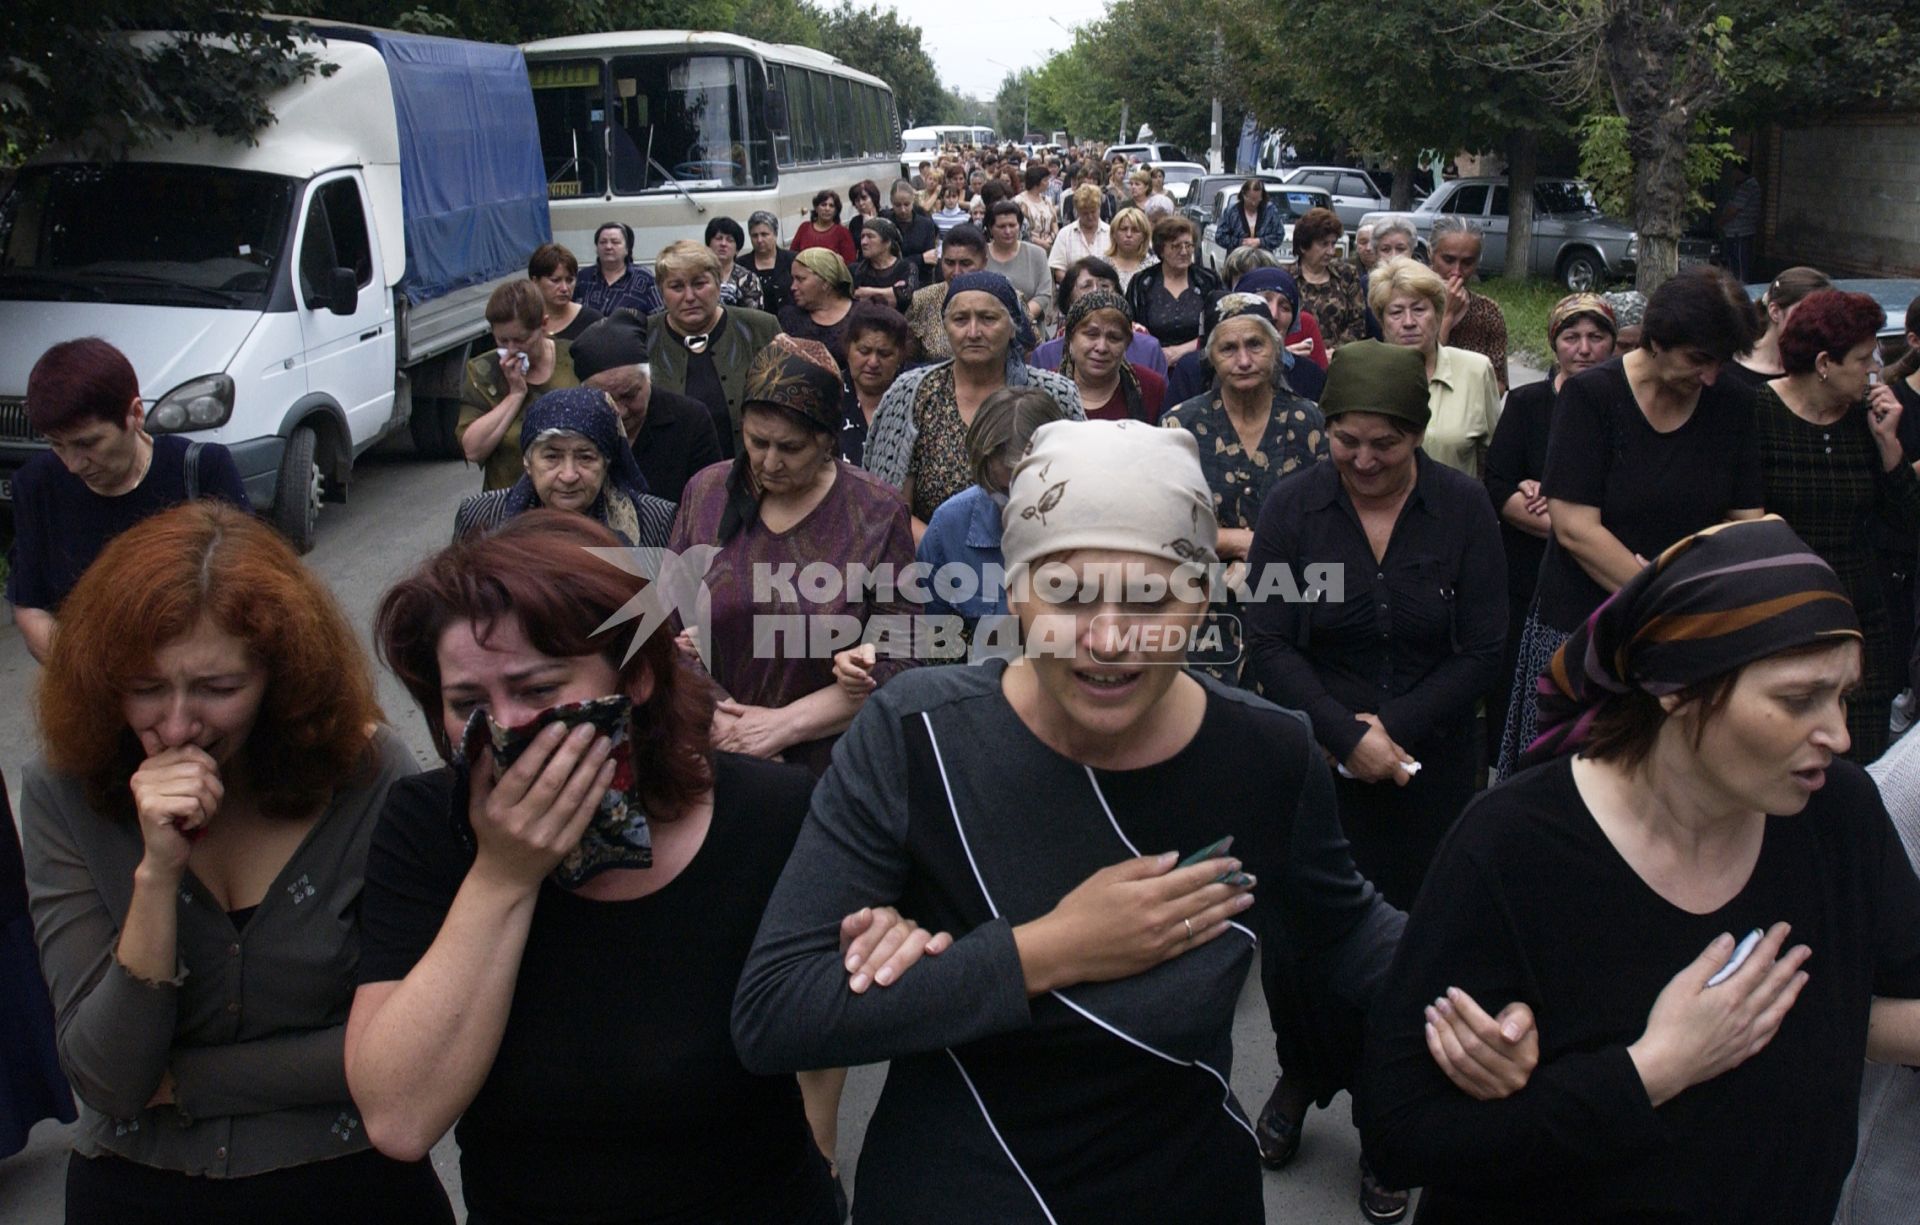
x=76 y=76
x=882 y=44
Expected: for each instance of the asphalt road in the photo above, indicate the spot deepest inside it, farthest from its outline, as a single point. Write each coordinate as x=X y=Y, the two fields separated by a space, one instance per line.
x=400 y=510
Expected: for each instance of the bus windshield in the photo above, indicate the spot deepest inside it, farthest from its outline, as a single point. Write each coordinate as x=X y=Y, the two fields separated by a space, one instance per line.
x=677 y=122
x=118 y=232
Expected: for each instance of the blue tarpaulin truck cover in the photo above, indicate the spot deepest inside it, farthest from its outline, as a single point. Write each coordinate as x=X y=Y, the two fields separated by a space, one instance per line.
x=473 y=188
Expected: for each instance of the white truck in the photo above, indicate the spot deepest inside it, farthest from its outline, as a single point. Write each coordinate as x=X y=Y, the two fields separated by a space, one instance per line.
x=300 y=298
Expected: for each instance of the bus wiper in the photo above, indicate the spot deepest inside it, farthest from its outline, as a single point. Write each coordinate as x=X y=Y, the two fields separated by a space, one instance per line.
x=668 y=175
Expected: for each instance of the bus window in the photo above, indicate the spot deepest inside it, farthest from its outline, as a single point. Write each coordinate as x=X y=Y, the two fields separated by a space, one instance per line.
x=848 y=117
x=782 y=141
x=684 y=119
x=865 y=96
x=569 y=102
x=806 y=142
x=824 y=124
x=760 y=161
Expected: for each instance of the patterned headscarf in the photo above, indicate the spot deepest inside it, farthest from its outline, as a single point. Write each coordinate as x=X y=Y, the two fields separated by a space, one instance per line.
x=588 y=413
x=889 y=233
x=1574 y=305
x=1275 y=280
x=1086 y=304
x=1712 y=603
x=799 y=376
x=1000 y=287
x=828 y=266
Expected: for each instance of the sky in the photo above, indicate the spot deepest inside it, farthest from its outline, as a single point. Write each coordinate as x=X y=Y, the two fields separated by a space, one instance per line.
x=963 y=38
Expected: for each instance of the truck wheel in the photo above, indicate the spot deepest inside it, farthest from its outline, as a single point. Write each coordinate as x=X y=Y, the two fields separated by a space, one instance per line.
x=296 y=497
x=1581 y=271
x=432 y=425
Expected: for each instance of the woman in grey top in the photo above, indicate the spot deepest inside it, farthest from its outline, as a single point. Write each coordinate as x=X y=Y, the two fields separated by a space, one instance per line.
x=195 y=841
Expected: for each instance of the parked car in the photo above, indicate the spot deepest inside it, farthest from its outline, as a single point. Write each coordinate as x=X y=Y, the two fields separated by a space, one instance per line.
x=1180 y=175
x=1894 y=294
x=1293 y=201
x=283 y=295
x=1148 y=151
x=1354 y=192
x=1582 y=247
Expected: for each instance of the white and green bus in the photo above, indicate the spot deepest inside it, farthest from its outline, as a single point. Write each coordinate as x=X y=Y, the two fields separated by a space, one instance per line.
x=663 y=130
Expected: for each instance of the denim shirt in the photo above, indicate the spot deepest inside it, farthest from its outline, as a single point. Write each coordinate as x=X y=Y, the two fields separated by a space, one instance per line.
x=965 y=531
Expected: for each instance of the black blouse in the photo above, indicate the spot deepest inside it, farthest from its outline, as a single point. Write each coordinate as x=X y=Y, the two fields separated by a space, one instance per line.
x=1414 y=637
x=1529 y=900
x=1518 y=453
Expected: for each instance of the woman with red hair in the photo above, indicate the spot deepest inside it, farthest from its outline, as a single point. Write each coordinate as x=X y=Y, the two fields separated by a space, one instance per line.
x=195 y=840
x=555 y=923
x=1831 y=458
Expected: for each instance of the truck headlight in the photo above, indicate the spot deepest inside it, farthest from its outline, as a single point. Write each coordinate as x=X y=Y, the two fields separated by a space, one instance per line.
x=197 y=404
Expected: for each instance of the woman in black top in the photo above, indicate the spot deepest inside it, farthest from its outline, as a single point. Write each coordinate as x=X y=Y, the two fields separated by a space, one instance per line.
x=770 y=261
x=550 y=955
x=1833 y=466
x=1067 y=1059
x=822 y=292
x=1645 y=448
x=555 y=270
x=1390 y=673
x=1170 y=298
x=881 y=275
x=1581 y=331
x=1707 y=707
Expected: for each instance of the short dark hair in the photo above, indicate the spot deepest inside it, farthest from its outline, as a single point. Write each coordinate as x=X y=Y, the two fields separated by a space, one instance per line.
x=1830 y=322
x=548 y=257
x=1316 y=224
x=1168 y=227
x=992 y=192
x=1036 y=174
x=966 y=234
x=873 y=317
x=729 y=227
x=1702 y=308
x=825 y=194
x=626 y=234
x=1070 y=280
x=868 y=188
x=77 y=382
x=1003 y=208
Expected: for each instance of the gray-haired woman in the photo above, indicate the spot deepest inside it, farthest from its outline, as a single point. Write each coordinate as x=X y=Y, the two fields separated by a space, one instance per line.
x=770 y=261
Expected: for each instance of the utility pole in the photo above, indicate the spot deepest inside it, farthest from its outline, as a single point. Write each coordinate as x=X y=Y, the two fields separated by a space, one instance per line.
x=1216 y=163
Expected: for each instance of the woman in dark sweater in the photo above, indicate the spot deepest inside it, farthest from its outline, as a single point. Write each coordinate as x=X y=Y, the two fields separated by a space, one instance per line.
x=551 y=944
x=1645 y=449
x=1831 y=457
x=1706 y=703
x=1581 y=332
x=1067 y=1059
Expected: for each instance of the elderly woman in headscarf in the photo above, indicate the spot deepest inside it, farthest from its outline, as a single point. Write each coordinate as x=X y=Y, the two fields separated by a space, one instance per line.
x=1296 y=371
x=821 y=296
x=1099 y=329
x=1691 y=789
x=788 y=500
x=1251 y=433
x=881 y=274
x=918 y=440
x=576 y=458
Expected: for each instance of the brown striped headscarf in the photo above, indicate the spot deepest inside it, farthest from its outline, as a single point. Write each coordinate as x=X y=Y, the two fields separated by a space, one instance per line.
x=1713 y=602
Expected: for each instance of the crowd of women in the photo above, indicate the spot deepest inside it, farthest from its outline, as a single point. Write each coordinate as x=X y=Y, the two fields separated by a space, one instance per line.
x=658 y=894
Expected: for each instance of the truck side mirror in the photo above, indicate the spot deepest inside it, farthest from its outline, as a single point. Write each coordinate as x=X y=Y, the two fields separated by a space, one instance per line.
x=343 y=292
x=776 y=112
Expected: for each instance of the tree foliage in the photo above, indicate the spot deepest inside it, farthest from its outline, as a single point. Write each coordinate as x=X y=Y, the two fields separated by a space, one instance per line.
x=881 y=43
x=77 y=76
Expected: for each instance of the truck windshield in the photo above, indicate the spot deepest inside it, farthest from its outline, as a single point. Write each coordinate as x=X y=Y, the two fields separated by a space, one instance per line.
x=144 y=232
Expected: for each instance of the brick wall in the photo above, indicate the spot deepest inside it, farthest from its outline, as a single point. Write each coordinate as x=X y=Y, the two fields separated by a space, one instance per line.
x=1844 y=195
